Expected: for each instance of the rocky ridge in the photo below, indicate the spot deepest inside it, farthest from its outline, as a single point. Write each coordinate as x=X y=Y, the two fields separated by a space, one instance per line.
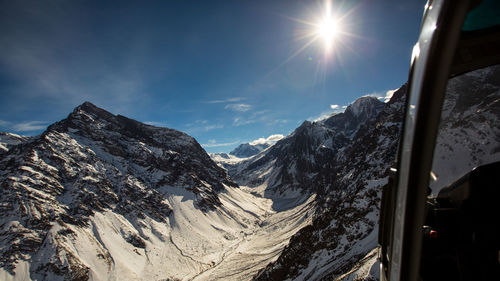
x=302 y=162
x=340 y=242
x=91 y=163
x=246 y=150
x=103 y=178
x=344 y=229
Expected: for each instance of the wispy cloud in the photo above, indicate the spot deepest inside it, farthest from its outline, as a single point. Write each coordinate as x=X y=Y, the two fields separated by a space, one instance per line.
x=240 y=107
x=388 y=95
x=260 y=113
x=384 y=96
x=239 y=121
x=259 y=117
x=201 y=126
x=228 y=100
x=271 y=139
x=213 y=143
x=50 y=77
x=334 y=109
x=66 y=72
x=26 y=126
x=324 y=115
x=30 y=126
x=212 y=127
x=277 y=121
x=157 y=123
x=5 y=124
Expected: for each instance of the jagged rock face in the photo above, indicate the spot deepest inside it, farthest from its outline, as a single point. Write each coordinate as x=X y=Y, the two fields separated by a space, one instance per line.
x=344 y=232
x=305 y=160
x=344 y=229
x=356 y=114
x=8 y=140
x=171 y=157
x=91 y=162
x=247 y=150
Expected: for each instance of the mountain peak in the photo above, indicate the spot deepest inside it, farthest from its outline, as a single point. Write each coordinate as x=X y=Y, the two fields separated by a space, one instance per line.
x=245 y=150
x=364 y=104
x=88 y=104
x=89 y=108
x=357 y=113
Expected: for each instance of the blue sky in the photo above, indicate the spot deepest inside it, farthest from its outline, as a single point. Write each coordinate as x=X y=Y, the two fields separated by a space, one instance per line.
x=225 y=72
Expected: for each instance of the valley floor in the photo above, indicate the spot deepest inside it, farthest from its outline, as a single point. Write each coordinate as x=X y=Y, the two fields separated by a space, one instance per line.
x=231 y=243
x=261 y=244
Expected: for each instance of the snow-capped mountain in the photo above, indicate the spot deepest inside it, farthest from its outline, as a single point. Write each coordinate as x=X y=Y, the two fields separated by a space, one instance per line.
x=246 y=150
x=303 y=162
x=255 y=147
x=231 y=162
x=339 y=244
x=345 y=228
x=102 y=197
x=356 y=114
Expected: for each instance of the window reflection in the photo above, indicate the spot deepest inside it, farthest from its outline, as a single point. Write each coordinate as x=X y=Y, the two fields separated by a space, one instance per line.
x=469 y=132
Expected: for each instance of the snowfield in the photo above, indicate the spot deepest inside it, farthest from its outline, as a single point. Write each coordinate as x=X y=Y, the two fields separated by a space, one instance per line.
x=233 y=242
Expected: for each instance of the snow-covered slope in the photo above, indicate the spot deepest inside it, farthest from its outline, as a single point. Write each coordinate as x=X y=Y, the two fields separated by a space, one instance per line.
x=7 y=140
x=227 y=161
x=255 y=147
x=246 y=150
x=355 y=115
x=344 y=231
x=303 y=162
x=104 y=197
x=339 y=243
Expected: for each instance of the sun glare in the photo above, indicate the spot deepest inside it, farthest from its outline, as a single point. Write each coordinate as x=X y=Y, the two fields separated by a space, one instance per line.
x=328 y=27
x=328 y=30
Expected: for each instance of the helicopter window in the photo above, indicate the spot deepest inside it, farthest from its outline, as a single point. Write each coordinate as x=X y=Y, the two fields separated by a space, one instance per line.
x=469 y=135
x=460 y=242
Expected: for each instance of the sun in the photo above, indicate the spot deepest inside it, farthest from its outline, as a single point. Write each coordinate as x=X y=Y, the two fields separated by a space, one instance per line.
x=329 y=27
x=328 y=30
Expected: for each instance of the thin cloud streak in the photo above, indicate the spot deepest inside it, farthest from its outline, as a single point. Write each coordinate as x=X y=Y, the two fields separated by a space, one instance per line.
x=238 y=121
x=240 y=107
x=205 y=128
x=213 y=143
x=27 y=126
x=212 y=127
x=228 y=100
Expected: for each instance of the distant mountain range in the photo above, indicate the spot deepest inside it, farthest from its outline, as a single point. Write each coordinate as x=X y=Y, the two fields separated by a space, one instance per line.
x=247 y=150
x=304 y=161
x=101 y=196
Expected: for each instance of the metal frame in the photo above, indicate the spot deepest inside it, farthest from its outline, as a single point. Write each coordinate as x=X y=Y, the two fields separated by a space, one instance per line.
x=429 y=72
